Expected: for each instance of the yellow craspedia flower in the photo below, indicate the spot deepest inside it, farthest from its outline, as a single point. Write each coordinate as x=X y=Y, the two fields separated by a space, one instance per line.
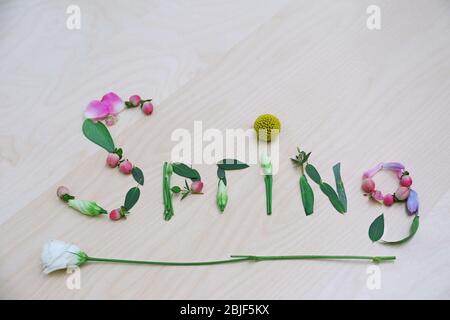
x=267 y=127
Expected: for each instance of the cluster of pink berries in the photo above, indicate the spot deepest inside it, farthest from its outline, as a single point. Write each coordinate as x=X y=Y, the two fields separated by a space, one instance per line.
x=402 y=193
x=113 y=160
x=126 y=167
x=135 y=101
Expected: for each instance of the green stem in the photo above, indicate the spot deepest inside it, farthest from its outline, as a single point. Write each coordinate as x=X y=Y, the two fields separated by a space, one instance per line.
x=164 y=263
x=242 y=258
x=168 y=206
x=317 y=257
x=268 y=181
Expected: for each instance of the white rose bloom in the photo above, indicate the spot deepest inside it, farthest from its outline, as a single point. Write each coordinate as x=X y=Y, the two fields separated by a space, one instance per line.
x=57 y=255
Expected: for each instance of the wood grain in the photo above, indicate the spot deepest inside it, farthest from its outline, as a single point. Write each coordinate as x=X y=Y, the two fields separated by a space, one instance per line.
x=342 y=91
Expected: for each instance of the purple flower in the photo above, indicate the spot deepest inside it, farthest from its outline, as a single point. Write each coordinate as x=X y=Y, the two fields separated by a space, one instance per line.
x=396 y=166
x=393 y=166
x=412 y=204
x=371 y=172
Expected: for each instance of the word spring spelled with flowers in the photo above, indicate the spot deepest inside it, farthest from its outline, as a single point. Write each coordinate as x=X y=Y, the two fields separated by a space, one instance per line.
x=58 y=255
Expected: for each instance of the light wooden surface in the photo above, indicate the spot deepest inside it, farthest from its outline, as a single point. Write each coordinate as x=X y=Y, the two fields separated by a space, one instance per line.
x=346 y=93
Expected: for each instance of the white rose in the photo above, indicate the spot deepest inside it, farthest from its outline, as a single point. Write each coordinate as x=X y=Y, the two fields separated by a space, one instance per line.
x=57 y=255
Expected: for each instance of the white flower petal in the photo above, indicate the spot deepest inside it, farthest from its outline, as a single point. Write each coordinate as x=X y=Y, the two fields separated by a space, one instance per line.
x=57 y=255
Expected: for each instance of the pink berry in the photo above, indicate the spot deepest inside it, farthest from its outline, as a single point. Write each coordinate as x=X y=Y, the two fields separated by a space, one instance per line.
x=388 y=200
x=115 y=214
x=135 y=100
x=406 y=181
x=147 y=108
x=197 y=187
x=402 y=193
x=126 y=167
x=61 y=191
x=368 y=185
x=112 y=160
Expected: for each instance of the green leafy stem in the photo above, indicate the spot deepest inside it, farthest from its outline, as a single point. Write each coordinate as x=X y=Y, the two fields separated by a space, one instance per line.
x=338 y=199
x=99 y=134
x=223 y=166
x=376 y=231
x=182 y=170
x=245 y=258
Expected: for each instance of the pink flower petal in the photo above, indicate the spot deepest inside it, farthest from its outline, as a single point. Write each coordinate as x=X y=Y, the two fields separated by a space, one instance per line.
x=377 y=195
x=371 y=172
x=114 y=102
x=393 y=166
x=96 y=110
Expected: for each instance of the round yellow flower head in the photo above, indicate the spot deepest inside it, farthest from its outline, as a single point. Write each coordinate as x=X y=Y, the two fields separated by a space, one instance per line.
x=267 y=127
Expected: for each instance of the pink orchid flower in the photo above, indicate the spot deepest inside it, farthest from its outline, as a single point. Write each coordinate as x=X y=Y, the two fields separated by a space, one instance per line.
x=107 y=108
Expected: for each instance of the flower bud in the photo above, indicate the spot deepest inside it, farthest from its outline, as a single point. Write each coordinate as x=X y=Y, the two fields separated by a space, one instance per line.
x=222 y=196
x=135 y=100
x=368 y=185
x=388 y=200
x=197 y=186
x=62 y=191
x=147 y=108
x=89 y=208
x=126 y=167
x=402 y=193
x=112 y=160
x=115 y=214
x=412 y=204
x=406 y=181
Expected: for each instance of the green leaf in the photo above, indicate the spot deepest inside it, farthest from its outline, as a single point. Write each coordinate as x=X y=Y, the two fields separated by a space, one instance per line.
x=307 y=195
x=221 y=175
x=138 y=175
x=184 y=195
x=185 y=171
x=98 y=134
x=376 y=229
x=231 y=164
x=340 y=185
x=313 y=173
x=412 y=231
x=132 y=198
x=332 y=196
x=176 y=189
x=119 y=152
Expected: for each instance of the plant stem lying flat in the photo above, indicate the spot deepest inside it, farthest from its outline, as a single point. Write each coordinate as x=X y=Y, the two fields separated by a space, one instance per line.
x=243 y=258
